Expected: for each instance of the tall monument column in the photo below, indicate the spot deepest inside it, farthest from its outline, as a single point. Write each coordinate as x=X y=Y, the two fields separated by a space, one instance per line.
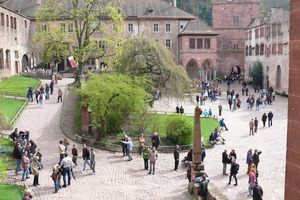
x=292 y=176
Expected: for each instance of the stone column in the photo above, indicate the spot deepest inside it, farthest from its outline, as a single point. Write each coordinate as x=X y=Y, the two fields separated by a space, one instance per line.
x=85 y=119
x=292 y=176
x=197 y=166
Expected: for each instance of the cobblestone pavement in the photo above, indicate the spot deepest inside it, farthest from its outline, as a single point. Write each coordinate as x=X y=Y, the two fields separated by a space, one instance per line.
x=115 y=177
x=271 y=141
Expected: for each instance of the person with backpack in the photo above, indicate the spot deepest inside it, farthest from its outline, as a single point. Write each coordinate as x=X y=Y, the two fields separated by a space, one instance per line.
x=233 y=172
x=203 y=184
x=257 y=192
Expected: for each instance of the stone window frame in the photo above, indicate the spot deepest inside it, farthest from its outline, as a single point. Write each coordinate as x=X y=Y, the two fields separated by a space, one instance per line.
x=207 y=43
x=235 y=46
x=280 y=48
x=2 y=18
x=16 y=54
x=7 y=58
x=274 y=49
x=250 y=35
x=70 y=28
x=130 y=27
x=7 y=20
x=261 y=49
x=246 y=50
x=192 y=43
x=15 y=23
x=168 y=28
x=250 y=50
x=25 y=23
x=11 y=22
x=43 y=28
x=199 y=44
x=155 y=27
x=63 y=27
x=261 y=32
x=168 y=43
x=257 y=49
x=256 y=33
x=236 y=19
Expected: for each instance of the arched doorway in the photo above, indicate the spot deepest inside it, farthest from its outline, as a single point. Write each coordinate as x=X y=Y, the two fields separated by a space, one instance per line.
x=236 y=70
x=278 y=77
x=207 y=71
x=193 y=69
x=25 y=62
x=1 y=59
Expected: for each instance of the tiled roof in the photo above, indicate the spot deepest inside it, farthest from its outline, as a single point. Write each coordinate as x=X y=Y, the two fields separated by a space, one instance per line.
x=197 y=26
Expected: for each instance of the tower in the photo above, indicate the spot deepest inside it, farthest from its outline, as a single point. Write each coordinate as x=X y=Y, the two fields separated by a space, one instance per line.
x=230 y=18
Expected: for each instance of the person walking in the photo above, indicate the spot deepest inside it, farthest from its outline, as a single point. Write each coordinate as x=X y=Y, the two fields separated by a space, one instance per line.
x=93 y=161
x=220 y=109
x=153 y=157
x=155 y=140
x=146 y=154
x=270 y=118
x=257 y=192
x=59 y=95
x=47 y=89
x=66 y=165
x=29 y=94
x=225 y=161
x=256 y=157
x=74 y=155
x=264 y=119
x=61 y=150
x=56 y=176
x=255 y=124
x=124 y=146
x=37 y=95
x=249 y=160
x=251 y=126
x=129 y=146
x=176 y=157
x=86 y=157
x=51 y=87
x=35 y=170
x=25 y=166
x=234 y=169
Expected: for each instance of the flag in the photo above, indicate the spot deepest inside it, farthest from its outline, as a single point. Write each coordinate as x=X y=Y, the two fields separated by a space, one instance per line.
x=72 y=61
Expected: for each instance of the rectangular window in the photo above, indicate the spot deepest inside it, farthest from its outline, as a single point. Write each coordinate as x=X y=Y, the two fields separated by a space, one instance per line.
x=279 y=29
x=280 y=48
x=256 y=33
x=63 y=27
x=246 y=50
x=262 y=32
x=256 y=49
x=155 y=27
x=168 y=27
x=274 y=30
x=262 y=49
x=236 y=19
x=250 y=35
x=207 y=43
x=235 y=47
x=130 y=27
x=199 y=43
x=2 y=19
x=70 y=28
x=15 y=23
x=250 y=50
x=268 y=32
x=274 y=46
x=43 y=28
x=16 y=54
x=192 y=43
x=11 y=22
x=168 y=43
x=25 y=23
x=7 y=20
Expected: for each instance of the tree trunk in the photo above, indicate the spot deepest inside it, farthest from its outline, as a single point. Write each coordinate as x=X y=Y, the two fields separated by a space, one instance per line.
x=100 y=130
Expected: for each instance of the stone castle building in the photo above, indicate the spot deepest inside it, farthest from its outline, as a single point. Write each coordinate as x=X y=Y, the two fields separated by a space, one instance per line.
x=192 y=42
x=268 y=42
x=230 y=18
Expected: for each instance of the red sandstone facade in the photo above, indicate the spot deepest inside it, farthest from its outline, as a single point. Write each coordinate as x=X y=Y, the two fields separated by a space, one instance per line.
x=230 y=18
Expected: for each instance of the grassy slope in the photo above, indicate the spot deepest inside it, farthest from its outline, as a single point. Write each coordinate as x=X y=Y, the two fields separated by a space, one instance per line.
x=17 y=85
x=9 y=107
x=9 y=161
x=11 y=192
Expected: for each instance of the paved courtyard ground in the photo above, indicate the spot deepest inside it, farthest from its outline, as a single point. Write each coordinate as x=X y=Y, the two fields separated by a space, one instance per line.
x=117 y=178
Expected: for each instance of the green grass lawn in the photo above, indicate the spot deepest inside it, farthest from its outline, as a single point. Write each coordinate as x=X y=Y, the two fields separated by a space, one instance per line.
x=17 y=85
x=11 y=192
x=9 y=107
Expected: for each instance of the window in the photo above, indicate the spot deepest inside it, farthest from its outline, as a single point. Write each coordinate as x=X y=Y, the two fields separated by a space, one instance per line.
x=235 y=47
x=262 y=49
x=168 y=27
x=130 y=27
x=70 y=28
x=16 y=54
x=256 y=49
x=168 y=43
x=236 y=20
x=15 y=23
x=11 y=22
x=262 y=32
x=7 y=20
x=2 y=19
x=155 y=27
x=256 y=33
x=274 y=46
x=250 y=35
x=274 y=30
x=102 y=44
x=199 y=43
x=43 y=28
x=250 y=50
x=181 y=26
x=192 y=43
x=268 y=31
x=279 y=29
x=280 y=48
x=247 y=48
x=207 y=43
x=25 y=23
x=63 y=27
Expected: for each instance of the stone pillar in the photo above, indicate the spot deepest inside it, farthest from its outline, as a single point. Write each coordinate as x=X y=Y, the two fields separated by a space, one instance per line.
x=292 y=176
x=197 y=166
x=85 y=119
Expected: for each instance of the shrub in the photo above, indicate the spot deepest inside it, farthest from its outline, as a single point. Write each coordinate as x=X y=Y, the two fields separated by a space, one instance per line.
x=258 y=75
x=179 y=130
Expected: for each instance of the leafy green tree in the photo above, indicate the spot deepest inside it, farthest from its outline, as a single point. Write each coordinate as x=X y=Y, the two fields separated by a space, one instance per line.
x=98 y=28
x=155 y=62
x=112 y=98
x=257 y=74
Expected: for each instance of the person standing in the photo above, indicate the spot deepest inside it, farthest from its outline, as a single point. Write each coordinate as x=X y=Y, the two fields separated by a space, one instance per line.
x=25 y=166
x=264 y=119
x=155 y=140
x=225 y=161
x=59 y=95
x=129 y=146
x=153 y=157
x=29 y=94
x=37 y=95
x=124 y=146
x=233 y=172
x=146 y=153
x=35 y=170
x=255 y=124
x=181 y=109
x=257 y=192
x=93 y=161
x=47 y=88
x=270 y=118
x=176 y=157
x=85 y=157
x=51 y=87
x=66 y=165
x=251 y=126
x=74 y=155
x=56 y=176
x=220 y=109
x=203 y=184
x=232 y=156
x=256 y=157
x=141 y=143
x=61 y=150
x=249 y=160
x=18 y=156
x=230 y=103
x=251 y=182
